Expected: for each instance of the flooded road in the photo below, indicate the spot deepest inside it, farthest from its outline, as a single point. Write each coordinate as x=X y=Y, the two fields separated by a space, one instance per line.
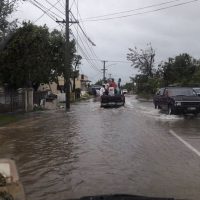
x=91 y=150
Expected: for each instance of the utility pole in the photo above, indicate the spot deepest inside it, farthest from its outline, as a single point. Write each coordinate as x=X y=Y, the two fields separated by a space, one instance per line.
x=67 y=56
x=104 y=70
x=67 y=70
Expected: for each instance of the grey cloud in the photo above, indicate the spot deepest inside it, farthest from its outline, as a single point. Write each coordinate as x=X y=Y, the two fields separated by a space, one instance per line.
x=170 y=31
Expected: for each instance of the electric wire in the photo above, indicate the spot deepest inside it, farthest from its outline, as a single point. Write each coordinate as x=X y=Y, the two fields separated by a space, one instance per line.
x=132 y=10
x=45 y=8
x=55 y=7
x=115 y=61
x=72 y=5
x=48 y=14
x=85 y=36
x=85 y=29
x=85 y=54
x=140 y=13
x=89 y=48
x=47 y=11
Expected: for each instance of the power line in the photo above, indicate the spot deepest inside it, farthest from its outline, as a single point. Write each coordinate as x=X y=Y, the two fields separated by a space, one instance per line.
x=84 y=27
x=85 y=37
x=47 y=11
x=151 y=11
x=132 y=10
x=55 y=7
x=85 y=48
x=83 y=31
x=44 y=9
x=88 y=60
x=115 y=61
x=86 y=42
x=72 y=4
x=84 y=53
x=50 y=15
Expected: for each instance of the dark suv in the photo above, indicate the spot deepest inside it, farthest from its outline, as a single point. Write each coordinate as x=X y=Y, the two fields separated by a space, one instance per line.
x=177 y=100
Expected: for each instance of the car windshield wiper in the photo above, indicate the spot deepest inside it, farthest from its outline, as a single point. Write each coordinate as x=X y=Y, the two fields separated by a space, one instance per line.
x=122 y=197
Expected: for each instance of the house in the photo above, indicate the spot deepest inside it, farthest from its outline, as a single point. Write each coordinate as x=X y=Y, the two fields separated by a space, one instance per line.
x=81 y=82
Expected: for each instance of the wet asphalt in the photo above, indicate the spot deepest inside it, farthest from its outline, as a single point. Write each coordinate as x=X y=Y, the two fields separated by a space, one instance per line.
x=90 y=150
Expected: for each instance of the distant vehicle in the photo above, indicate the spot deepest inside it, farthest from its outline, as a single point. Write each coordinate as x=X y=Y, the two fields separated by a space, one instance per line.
x=94 y=90
x=177 y=100
x=124 y=91
x=112 y=101
x=197 y=90
x=113 y=98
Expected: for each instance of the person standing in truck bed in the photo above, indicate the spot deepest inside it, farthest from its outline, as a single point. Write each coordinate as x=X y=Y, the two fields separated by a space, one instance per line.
x=114 y=85
x=102 y=90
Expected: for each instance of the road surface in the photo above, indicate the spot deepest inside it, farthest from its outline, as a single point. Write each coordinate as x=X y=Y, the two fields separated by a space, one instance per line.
x=91 y=150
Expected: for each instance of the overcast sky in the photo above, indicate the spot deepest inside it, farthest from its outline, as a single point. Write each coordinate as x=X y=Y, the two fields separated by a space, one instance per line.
x=171 y=31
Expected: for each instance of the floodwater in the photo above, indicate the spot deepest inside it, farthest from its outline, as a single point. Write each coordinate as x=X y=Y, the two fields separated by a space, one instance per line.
x=92 y=150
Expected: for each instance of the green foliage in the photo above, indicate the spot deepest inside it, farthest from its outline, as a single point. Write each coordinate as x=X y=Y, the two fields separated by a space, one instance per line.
x=57 y=53
x=146 y=85
x=195 y=80
x=33 y=56
x=25 y=60
x=6 y=9
x=5 y=119
x=182 y=70
x=99 y=82
x=143 y=59
x=129 y=86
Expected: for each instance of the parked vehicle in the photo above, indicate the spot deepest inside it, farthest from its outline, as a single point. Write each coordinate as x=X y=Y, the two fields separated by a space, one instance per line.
x=124 y=91
x=197 y=90
x=176 y=100
x=94 y=90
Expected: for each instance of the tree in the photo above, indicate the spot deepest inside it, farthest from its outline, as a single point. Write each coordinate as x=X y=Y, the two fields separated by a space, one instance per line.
x=75 y=73
x=32 y=56
x=180 y=70
x=128 y=86
x=99 y=82
x=57 y=54
x=24 y=61
x=143 y=60
x=6 y=8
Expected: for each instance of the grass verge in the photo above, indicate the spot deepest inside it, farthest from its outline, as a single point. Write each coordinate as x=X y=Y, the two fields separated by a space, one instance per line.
x=9 y=118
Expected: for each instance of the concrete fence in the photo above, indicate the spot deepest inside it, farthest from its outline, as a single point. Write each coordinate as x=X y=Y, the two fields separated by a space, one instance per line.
x=16 y=101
